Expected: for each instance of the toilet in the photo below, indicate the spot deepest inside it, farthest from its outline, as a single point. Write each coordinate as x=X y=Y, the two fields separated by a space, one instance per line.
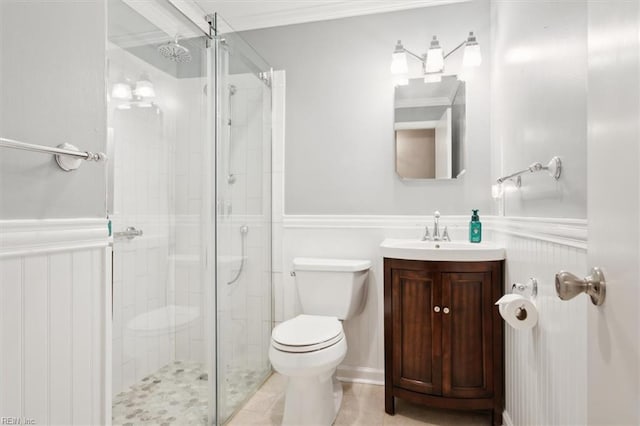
x=308 y=348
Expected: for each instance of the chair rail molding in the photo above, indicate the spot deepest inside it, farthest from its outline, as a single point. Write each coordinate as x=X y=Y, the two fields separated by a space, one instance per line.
x=33 y=237
x=570 y=232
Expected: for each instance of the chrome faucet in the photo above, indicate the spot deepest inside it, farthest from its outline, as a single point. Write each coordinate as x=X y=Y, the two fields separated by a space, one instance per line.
x=436 y=230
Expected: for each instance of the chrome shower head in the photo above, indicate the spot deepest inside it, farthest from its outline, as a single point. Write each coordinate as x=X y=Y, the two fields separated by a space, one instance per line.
x=175 y=52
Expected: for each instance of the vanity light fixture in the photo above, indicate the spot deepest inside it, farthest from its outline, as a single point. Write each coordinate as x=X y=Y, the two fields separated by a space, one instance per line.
x=399 y=63
x=472 y=56
x=121 y=89
x=433 y=60
x=144 y=87
x=435 y=57
x=141 y=96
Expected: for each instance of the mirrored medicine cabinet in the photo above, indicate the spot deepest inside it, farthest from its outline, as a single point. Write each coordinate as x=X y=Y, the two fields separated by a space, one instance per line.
x=429 y=127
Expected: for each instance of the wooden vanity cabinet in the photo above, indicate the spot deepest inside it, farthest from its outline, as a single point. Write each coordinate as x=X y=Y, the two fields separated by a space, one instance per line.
x=443 y=335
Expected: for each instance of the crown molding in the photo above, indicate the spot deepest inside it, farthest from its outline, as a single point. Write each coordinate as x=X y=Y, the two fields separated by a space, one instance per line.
x=303 y=12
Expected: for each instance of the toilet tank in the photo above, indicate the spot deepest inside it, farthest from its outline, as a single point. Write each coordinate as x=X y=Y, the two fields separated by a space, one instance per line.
x=331 y=287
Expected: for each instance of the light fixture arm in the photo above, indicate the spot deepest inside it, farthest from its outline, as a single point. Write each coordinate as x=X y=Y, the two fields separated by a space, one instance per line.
x=455 y=48
x=423 y=58
x=420 y=58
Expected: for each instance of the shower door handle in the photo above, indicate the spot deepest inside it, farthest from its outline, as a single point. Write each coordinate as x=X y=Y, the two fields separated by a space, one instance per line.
x=130 y=233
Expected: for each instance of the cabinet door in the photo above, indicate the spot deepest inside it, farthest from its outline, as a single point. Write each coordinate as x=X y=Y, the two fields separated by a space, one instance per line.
x=467 y=351
x=417 y=333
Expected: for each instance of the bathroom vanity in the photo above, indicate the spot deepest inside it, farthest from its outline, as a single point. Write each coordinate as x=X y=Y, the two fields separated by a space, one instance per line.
x=444 y=344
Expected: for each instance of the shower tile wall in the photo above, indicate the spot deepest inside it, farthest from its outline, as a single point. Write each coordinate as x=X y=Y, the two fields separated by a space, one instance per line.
x=187 y=192
x=142 y=270
x=244 y=305
x=158 y=187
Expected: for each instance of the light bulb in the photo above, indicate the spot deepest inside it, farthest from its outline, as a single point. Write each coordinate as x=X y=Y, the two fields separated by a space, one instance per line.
x=144 y=87
x=121 y=90
x=497 y=190
x=435 y=57
x=472 y=56
x=399 y=60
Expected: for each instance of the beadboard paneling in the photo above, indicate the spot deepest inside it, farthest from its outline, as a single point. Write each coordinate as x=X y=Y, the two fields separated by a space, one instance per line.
x=53 y=324
x=545 y=368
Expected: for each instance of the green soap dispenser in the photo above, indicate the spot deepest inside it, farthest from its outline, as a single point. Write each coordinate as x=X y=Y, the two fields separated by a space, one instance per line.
x=475 y=228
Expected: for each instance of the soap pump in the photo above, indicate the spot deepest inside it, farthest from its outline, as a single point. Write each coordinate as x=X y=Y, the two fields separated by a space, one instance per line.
x=475 y=228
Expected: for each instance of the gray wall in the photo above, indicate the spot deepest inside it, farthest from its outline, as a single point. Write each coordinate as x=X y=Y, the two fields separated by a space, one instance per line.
x=52 y=80
x=539 y=108
x=339 y=149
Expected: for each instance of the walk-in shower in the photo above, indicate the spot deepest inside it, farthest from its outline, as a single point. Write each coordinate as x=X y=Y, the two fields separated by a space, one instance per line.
x=191 y=292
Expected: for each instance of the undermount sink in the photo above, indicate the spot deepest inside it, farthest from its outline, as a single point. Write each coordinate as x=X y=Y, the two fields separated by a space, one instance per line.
x=453 y=251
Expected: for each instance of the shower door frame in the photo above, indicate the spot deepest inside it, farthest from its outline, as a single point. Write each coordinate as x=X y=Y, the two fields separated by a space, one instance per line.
x=217 y=127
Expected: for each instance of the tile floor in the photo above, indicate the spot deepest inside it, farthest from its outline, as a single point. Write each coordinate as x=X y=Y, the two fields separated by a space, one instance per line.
x=361 y=405
x=175 y=394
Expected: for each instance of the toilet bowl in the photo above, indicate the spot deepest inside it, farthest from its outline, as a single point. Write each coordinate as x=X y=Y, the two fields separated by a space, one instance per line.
x=308 y=348
x=309 y=360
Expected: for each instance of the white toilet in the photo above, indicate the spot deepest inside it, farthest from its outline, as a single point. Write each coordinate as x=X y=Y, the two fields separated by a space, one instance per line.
x=308 y=348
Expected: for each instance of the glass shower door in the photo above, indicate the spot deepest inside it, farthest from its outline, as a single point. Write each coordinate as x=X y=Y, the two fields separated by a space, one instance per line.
x=243 y=220
x=157 y=119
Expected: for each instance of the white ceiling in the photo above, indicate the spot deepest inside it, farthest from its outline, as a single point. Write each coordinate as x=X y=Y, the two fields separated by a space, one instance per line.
x=251 y=14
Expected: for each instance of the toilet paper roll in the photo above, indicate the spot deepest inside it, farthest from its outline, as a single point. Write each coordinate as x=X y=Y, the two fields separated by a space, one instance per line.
x=518 y=311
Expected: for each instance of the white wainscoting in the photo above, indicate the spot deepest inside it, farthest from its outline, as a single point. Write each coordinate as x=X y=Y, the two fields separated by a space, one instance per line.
x=54 y=333
x=545 y=368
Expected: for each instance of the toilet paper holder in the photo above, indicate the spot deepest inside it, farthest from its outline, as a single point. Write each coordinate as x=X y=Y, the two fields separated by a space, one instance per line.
x=529 y=289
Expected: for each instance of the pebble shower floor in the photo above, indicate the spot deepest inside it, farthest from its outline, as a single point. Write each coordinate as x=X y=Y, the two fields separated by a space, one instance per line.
x=177 y=394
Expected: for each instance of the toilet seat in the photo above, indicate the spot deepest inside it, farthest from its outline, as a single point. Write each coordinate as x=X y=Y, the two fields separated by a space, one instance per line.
x=307 y=333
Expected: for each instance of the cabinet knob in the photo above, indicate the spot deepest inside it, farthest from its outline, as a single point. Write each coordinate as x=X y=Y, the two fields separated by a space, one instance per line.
x=445 y=310
x=436 y=308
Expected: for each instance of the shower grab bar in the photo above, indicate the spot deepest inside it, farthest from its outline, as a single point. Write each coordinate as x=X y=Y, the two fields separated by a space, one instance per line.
x=67 y=156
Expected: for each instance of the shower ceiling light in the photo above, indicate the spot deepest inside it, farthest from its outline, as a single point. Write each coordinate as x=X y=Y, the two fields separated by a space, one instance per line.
x=433 y=60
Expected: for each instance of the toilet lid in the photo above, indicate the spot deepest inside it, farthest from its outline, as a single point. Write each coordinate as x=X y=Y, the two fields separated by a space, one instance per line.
x=307 y=333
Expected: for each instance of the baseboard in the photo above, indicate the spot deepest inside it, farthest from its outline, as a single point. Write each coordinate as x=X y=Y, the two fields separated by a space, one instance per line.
x=506 y=419
x=371 y=376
